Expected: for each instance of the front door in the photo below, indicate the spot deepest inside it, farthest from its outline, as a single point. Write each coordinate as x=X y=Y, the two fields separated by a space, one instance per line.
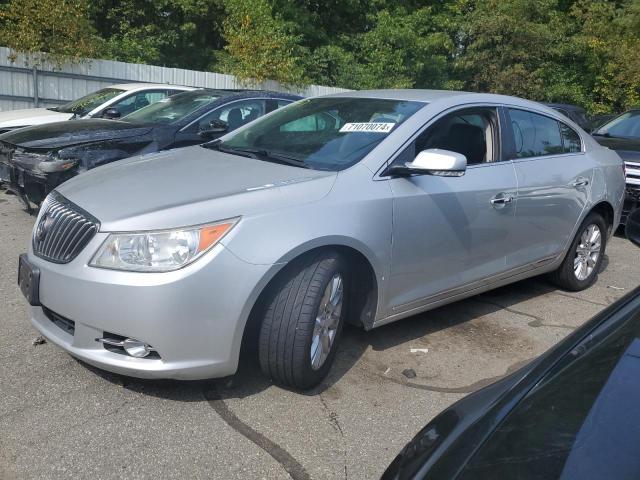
x=449 y=232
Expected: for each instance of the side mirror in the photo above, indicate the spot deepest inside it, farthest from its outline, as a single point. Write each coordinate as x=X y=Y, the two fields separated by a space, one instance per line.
x=111 y=113
x=632 y=228
x=215 y=127
x=443 y=163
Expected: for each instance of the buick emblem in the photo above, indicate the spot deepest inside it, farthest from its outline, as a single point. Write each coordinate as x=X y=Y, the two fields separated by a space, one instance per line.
x=43 y=227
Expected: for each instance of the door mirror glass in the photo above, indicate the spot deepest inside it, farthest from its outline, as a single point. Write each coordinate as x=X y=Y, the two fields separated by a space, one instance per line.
x=632 y=229
x=111 y=113
x=215 y=127
x=435 y=161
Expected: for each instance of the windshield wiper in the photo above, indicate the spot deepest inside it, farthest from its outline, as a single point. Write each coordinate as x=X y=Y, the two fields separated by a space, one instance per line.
x=259 y=154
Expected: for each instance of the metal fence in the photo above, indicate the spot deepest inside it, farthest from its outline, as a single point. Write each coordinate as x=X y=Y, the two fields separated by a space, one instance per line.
x=22 y=86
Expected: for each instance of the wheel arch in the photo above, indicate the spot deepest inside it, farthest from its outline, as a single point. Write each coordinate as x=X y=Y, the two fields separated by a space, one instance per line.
x=363 y=305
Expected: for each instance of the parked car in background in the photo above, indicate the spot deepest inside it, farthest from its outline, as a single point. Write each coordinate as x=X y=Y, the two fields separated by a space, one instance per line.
x=111 y=102
x=622 y=134
x=571 y=414
x=34 y=160
x=575 y=113
x=365 y=207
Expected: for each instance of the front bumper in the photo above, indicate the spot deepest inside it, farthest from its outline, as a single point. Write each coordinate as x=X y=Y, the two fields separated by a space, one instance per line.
x=29 y=185
x=193 y=317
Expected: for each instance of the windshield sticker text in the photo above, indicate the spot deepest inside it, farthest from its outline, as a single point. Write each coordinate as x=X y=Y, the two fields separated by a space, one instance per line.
x=376 y=127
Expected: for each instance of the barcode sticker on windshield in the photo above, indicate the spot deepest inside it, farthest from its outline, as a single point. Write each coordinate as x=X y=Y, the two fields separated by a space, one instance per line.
x=376 y=127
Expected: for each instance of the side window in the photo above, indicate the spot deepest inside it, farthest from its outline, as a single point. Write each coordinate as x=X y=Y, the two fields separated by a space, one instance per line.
x=283 y=103
x=570 y=139
x=535 y=135
x=236 y=114
x=138 y=100
x=471 y=132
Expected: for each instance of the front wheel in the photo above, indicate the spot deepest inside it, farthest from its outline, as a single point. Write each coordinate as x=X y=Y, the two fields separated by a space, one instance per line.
x=303 y=320
x=580 y=268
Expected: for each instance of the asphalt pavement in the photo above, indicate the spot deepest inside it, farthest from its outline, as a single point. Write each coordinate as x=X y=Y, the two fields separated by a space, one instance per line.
x=60 y=418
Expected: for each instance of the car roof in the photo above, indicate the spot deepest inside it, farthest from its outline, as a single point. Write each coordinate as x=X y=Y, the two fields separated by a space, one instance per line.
x=419 y=95
x=566 y=106
x=431 y=96
x=144 y=86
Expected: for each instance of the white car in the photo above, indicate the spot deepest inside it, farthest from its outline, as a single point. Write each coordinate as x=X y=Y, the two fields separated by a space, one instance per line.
x=111 y=102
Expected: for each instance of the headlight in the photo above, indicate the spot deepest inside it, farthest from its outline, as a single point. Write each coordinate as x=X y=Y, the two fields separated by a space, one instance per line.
x=159 y=251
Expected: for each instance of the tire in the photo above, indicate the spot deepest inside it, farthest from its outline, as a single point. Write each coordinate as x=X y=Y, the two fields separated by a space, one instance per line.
x=566 y=276
x=294 y=314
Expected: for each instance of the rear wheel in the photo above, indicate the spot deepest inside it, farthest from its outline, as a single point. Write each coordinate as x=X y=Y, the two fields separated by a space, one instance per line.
x=303 y=320
x=580 y=268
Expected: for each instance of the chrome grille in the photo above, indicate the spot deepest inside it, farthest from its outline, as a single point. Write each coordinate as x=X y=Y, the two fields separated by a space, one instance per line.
x=63 y=230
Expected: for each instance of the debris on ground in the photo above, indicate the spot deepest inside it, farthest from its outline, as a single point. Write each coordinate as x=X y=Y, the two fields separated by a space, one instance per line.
x=39 y=340
x=409 y=373
x=614 y=287
x=387 y=370
x=419 y=350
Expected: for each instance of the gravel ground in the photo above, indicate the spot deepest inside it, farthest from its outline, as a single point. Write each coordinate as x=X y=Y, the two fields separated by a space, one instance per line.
x=60 y=418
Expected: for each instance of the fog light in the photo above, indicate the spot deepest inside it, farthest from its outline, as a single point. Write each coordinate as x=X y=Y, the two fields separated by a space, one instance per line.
x=131 y=346
x=136 y=348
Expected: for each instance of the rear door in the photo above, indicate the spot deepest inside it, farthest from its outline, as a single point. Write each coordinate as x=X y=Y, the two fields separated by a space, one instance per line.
x=554 y=181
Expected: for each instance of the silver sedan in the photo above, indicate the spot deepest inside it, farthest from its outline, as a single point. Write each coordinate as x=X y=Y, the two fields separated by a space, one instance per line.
x=361 y=207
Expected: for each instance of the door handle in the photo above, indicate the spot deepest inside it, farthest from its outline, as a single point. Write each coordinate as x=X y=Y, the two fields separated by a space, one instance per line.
x=580 y=182
x=501 y=199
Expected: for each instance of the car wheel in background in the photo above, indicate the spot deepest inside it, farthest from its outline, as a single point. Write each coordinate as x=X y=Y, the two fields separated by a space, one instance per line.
x=303 y=320
x=580 y=268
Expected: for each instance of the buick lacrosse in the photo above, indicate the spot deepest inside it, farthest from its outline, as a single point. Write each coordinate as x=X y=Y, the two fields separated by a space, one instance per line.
x=360 y=207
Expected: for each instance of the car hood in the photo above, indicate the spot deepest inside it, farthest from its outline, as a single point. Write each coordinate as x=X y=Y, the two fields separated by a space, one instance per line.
x=64 y=134
x=190 y=186
x=627 y=148
x=31 y=116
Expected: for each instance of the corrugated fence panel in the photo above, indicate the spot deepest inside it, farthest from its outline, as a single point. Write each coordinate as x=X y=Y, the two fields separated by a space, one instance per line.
x=56 y=86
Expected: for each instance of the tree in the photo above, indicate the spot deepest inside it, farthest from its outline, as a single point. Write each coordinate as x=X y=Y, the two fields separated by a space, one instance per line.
x=48 y=30
x=260 y=44
x=176 y=33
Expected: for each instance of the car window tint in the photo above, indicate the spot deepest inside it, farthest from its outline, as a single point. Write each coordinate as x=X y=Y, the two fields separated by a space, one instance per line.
x=235 y=114
x=535 y=135
x=174 y=108
x=570 y=139
x=329 y=133
x=626 y=125
x=283 y=103
x=138 y=100
x=469 y=132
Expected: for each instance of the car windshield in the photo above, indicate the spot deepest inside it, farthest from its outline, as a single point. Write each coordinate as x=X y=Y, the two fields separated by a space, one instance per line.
x=626 y=125
x=580 y=421
x=329 y=133
x=172 y=109
x=85 y=104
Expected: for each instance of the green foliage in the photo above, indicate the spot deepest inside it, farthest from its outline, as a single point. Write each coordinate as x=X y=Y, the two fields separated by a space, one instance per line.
x=59 y=28
x=576 y=51
x=260 y=44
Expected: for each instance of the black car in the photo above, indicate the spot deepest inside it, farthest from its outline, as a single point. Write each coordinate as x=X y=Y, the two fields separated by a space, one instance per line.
x=573 y=413
x=622 y=134
x=573 y=112
x=34 y=160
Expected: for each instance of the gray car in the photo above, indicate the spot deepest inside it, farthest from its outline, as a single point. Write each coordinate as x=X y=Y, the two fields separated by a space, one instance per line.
x=361 y=207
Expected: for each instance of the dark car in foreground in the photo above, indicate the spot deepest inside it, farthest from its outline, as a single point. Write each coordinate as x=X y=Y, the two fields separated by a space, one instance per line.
x=622 y=134
x=34 y=160
x=573 y=413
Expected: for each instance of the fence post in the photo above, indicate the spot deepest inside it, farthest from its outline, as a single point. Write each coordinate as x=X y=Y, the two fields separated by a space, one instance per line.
x=36 y=99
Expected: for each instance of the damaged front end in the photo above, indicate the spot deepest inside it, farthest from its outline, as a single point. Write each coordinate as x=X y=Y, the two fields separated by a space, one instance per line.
x=32 y=174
